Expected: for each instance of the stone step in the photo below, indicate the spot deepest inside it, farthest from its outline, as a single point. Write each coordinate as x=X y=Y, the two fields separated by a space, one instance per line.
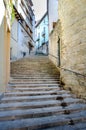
x=34 y=98
x=35 y=101
x=40 y=80
x=41 y=69
x=34 y=75
x=40 y=112
x=33 y=85
x=34 y=93
x=34 y=78
x=43 y=122
x=36 y=89
x=38 y=104
x=75 y=126
x=34 y=81
x=13 y=85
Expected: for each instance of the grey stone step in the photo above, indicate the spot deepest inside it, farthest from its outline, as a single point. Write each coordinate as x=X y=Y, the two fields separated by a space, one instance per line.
x=27 y=75
x=36 y=104
x=40 y=112
x=63 y=127
x=33 y=104
x=53 y=92
x=36 y=78
x=43 y=122
x=33 y=85
x=36 y=89
x=77 y=126
x=35 y=82
x=32 y=98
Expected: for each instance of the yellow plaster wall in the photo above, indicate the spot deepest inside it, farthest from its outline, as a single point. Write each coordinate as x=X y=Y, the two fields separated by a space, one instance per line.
x=4 y=55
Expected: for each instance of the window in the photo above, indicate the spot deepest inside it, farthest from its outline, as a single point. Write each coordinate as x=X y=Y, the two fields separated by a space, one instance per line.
x=22 y=3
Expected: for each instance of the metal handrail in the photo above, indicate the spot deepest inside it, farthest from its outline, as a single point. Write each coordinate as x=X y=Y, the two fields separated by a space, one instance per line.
x=68 y=69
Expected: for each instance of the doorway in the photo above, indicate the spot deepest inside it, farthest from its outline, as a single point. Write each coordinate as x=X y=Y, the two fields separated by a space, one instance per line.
x=59 y=59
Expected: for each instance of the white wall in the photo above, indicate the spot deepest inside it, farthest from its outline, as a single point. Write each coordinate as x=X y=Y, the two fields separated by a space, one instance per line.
x=53 y=13
x=22 y=42
x=14 y=40
x=39 y=30
x=34 y=28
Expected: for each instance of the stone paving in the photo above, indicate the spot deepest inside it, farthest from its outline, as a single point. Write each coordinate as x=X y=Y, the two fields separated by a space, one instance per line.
x=35 y=99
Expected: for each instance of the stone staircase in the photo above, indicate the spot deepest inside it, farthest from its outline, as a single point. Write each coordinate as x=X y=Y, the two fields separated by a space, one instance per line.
x=35 y=100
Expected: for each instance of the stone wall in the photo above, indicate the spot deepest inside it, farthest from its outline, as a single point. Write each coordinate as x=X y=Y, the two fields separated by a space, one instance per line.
x=72 y=14
x=53 y=44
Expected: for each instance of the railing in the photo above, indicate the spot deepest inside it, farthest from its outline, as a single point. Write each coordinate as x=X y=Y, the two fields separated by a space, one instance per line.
x=27 y=20
x=38 y=38
x=67 y=69
x=28 y=7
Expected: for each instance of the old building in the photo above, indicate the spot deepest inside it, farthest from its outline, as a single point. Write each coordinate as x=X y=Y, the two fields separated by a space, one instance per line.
x=23 y=29
x=42 y=35
x=67 y=46
x=17 y=24
x=52 y=7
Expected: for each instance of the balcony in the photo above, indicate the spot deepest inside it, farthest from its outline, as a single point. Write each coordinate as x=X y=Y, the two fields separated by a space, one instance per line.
x=38 y=38
x=27 y=19
x=43 y=41
x=43 y=33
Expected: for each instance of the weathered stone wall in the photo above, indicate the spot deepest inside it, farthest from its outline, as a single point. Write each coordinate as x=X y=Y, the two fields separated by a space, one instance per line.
x=53 y=44
x=72 y=14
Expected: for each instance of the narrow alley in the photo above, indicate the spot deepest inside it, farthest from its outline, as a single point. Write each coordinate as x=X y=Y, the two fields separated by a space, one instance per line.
x=42 y=64
x=35 y=99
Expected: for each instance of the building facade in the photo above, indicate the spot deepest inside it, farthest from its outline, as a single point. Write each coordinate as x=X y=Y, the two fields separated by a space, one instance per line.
x=69 y=38
x=52 y=8
x=23 y=29
x=5 y=18
x=42 y=35
x=16 y=35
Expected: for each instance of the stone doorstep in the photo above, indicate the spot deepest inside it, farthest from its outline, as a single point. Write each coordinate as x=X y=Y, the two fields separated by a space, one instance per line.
x=42 y=122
